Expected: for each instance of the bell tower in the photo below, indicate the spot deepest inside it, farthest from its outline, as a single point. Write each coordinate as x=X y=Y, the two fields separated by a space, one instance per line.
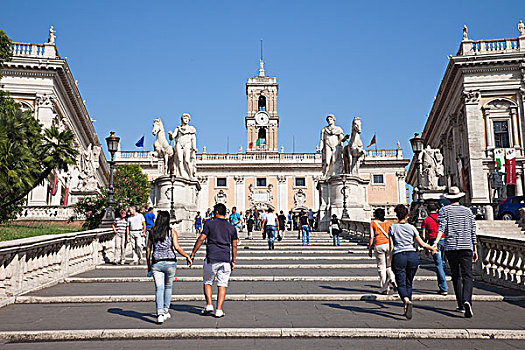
x=262 y=120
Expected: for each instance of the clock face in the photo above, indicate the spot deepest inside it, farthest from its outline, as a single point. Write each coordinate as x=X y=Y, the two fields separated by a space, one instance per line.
x=262 y=118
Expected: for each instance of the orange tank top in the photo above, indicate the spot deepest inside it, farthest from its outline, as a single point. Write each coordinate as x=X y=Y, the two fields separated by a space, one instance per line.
x=379 y=236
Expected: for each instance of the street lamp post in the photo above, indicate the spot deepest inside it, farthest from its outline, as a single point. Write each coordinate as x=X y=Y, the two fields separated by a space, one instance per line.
x=417 y=147
x=112 y=142
x=344 y=215
x=172 y=207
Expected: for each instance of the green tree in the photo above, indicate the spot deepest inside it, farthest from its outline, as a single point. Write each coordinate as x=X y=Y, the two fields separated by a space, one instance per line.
x=28 y=154
x=131 y=188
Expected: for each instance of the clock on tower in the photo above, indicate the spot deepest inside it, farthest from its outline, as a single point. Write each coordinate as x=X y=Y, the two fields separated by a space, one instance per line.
x=262 y=120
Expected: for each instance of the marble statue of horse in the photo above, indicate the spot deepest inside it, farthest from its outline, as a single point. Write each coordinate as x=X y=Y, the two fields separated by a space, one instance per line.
x=354 y=150
x=162 y=146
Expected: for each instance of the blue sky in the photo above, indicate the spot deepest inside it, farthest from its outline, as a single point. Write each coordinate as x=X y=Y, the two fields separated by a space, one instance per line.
x=380 y=60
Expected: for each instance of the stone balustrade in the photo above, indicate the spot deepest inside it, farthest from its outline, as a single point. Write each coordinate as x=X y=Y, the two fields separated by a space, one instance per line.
x=34 y=50
x=483 y=47
x=49 y=213
x=355 y=229
x=255 y=156
x=501 y=257
x=385 y=153
x=502 y=260
x=33 y=263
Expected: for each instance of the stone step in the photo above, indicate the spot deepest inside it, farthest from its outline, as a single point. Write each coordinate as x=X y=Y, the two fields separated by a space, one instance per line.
x=250 y=266
x=135 y=337
x=288 y=286
x=346 y=257
x=373 y=314
x=75 y=299
x=354 y=271
x=244 y=279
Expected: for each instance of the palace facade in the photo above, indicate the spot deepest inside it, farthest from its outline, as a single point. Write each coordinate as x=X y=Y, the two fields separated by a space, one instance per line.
x=264 y=176
x=41 y=81
x=477 y=119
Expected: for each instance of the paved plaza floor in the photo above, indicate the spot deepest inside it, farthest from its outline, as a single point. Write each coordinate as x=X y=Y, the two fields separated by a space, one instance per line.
x=295 y=297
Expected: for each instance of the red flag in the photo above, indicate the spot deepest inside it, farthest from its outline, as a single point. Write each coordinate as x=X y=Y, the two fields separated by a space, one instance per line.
x=55 y=183
x=510 y=166
x=66 y=196
x=372 y=142
x=250 y=145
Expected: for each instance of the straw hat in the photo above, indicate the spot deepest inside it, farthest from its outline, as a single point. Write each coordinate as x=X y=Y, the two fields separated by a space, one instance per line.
x=454 y=193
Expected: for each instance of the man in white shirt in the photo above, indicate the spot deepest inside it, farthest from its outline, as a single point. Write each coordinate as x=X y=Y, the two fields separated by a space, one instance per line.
x=263 y=228
x=271 y=225
x=136 y=234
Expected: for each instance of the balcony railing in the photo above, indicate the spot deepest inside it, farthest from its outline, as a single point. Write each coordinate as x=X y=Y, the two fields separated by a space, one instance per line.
x=256 y=156
x=482 y=47
x=34 y=50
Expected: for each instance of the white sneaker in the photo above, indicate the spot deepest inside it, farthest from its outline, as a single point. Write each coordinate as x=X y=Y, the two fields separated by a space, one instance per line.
x=166 y=316
x=207 y=310
x=219 y=313
x=160 y=319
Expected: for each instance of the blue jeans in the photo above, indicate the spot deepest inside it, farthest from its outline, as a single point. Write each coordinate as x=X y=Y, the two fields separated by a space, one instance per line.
x=405 y=265
x=305 y=229
x=335 y=236
x=270 y=233
x=163 y=275
x=439 y=261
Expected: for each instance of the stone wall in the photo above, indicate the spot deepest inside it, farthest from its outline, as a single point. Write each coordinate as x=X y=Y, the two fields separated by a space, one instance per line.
x=34 y=263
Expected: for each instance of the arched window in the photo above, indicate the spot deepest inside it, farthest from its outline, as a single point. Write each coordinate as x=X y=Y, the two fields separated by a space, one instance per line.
x=262 y=103
x=262 y=133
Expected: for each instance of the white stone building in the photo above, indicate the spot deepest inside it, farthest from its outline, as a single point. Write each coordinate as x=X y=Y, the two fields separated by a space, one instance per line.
x=479 y=109
x=265 y=176
x=41 y=81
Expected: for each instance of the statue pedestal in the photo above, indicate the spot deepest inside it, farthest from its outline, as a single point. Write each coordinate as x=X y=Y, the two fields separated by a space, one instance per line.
x=331 y=194
x=185 y=199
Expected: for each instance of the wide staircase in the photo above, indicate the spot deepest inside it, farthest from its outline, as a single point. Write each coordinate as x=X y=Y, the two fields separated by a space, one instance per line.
x=318 y=296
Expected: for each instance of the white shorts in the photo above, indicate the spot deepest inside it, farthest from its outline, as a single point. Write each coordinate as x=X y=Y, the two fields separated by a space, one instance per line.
x=219 y=272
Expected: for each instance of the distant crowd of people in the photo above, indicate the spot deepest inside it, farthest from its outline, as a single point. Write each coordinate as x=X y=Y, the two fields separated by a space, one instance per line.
x=271 y=225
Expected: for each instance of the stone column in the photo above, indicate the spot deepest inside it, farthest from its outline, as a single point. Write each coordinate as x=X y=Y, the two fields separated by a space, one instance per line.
x=401 y=187
x=239 y=193
x=479 y=187
x=282 y=193
x=488 y=130
x=519 y=182
x=315 y=193
x=203 y=203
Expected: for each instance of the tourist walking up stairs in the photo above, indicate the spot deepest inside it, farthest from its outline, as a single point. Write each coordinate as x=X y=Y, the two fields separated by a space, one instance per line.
x=405 y=261
x=457 y=225
x=379 y=245
x=162 y=262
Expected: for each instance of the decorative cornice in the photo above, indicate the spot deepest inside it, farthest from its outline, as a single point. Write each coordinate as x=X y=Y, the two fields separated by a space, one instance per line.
x=490 y=69
x=472 y=96
x=45 y=100
x=203 y=179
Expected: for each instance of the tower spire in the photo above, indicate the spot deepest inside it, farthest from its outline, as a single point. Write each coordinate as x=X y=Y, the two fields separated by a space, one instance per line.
x=261 y=62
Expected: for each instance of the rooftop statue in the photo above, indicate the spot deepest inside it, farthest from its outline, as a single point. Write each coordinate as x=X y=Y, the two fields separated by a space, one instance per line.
x=52 y=35
x=185 y=148
x=331 y=147
x=465 y=32
x=521 y=28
